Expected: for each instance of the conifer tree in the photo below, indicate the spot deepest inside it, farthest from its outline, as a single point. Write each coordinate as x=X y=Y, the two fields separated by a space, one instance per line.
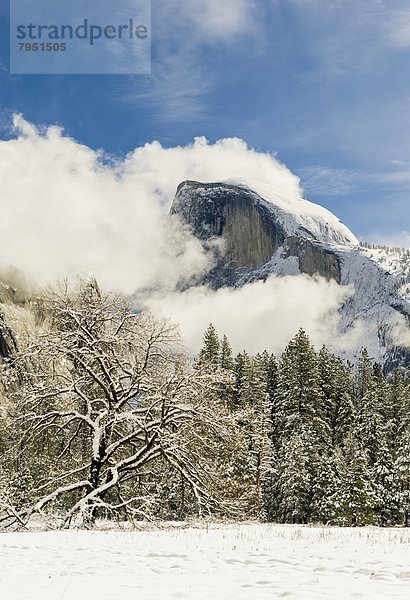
x=336 y=387
x=271 y=368
x=397 y=409
x=371 y=399
x=209 y=353
x=243 y=379
x=215 y=360
x=292 y=488
x=325 y=482
x=253 y=414
x=226 y=359
x=386 y=486
x=225 y=375
x=299 y=419
x=363 y=377
x=354 y=500
x=403 y=476
x=271 y=373
x=262 y=421
x=299 y=396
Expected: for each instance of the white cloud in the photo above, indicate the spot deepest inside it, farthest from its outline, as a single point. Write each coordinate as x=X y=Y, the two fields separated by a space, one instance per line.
x=64 y=211
x=261 y=315
x=398 y=27
x=223 y=20
x=347 y=36
x=228 y=159
x=206 y=20
x=400 y=239
x=328 y=181
x=182 y=33
x=177 y=88
x=64 y=208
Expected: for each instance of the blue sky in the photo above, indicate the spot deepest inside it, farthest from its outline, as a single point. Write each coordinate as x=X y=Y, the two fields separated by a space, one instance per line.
x=325 y=84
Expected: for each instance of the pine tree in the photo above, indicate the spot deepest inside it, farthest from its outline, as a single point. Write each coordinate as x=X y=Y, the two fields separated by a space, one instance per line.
x=226 y=359
x=355 y=501
x=403 y=476
x=292 y=487
x=271 y=368
x=325 y=482
x=386 y=486
x=375 y=426
x=262 y=421
x=391 y=472
x=371 y=403
x=300 y=399
x=243 y=379
x=271 y=372
x=363 y=377
x=300 y=419
x=397 y=409
x=336 y=387
x=253 y=414
x=209 y=353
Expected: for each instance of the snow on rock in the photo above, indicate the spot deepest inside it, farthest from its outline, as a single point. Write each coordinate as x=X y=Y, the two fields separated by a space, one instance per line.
x=311 y=218
x=297 y=215
x=245 y=562
x=380 y=303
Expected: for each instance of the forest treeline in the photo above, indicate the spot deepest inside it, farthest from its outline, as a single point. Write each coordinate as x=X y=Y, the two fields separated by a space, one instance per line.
x=328 y=442
x=103 y=415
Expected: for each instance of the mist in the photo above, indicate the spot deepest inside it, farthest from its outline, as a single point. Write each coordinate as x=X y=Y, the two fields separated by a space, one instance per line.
x=259 y=316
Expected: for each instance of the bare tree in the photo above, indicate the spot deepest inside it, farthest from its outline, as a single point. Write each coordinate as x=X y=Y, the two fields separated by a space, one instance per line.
x=106 y=404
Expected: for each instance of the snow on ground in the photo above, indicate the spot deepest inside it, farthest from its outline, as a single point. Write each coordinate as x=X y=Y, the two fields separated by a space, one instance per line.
x=237 y=562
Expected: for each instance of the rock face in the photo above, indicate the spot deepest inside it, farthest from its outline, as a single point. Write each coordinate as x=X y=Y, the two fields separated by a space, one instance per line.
x=8 y=343
x=13 y=296
x=252 y=231
x=233 y=214
x=256 y=238
x=314 y=259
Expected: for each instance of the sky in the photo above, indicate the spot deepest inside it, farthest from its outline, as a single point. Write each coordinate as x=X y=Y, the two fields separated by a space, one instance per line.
x=322 y=84
x=305 y=96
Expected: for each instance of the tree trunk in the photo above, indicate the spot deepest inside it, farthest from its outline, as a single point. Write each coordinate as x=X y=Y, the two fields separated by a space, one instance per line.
x=95 y=473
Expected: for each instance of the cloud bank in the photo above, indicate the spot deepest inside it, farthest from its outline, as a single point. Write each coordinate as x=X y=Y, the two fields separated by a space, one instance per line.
x=66 y=208
x=260 y=315
x=63 y=210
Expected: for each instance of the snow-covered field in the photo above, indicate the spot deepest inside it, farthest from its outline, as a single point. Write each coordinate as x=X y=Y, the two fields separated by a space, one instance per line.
x=237 y=562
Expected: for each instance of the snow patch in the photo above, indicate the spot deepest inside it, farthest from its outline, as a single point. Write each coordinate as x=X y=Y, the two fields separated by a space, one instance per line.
x=248 y=562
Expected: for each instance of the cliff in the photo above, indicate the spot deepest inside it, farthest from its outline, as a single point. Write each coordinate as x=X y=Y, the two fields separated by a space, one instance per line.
x=256 y=238
x=252 y=230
